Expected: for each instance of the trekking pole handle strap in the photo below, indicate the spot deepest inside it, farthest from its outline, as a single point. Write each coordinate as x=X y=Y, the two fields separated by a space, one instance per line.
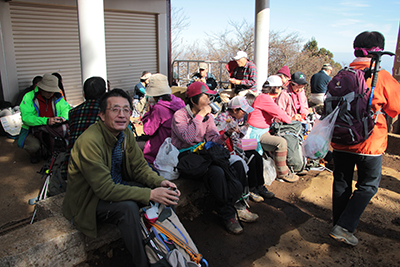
x=376 y=57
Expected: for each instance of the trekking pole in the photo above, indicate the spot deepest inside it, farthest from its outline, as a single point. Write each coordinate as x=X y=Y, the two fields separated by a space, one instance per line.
x=152 y=244
x=376 y=58
x=43 y=193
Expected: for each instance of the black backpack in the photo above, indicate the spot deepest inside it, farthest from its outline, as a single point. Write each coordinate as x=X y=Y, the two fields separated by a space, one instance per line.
x=293 y=134
x=192 y=165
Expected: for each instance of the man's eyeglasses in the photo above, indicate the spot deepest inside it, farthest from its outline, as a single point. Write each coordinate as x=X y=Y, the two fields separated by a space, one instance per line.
x=117 y=110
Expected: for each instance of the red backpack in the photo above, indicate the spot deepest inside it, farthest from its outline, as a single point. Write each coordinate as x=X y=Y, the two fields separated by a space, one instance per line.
x=355 y=120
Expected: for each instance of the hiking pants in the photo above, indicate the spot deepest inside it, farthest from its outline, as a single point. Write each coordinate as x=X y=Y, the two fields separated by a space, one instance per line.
x=278 y=146
x=218 y=185
x=125 y=214
x=348 y=205
x=256 y=169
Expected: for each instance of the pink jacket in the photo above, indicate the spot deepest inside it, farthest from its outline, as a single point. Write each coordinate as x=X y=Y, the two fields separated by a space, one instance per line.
x=188 y=130
x=265 y=111
x=287 y=101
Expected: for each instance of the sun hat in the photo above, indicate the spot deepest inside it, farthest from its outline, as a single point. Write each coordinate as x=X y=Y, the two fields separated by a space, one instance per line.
x=272 y=81
x=49 y=83
x=239 y=55
x=285 y=71
x=299 y=78
x=158 y=85
x=197 y=88
x=240 y=102
x=203 y=66
x=145 y=75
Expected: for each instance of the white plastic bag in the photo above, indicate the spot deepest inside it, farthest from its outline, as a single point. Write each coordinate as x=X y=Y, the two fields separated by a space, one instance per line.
x=269 y=170
x=166 y=160
x=318 y=141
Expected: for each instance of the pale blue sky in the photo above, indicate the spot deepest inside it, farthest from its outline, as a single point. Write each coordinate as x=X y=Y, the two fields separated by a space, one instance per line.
x=334 y=24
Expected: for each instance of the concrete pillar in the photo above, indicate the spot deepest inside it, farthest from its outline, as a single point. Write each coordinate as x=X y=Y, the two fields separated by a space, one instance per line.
x=261 y=45
x=92 y=41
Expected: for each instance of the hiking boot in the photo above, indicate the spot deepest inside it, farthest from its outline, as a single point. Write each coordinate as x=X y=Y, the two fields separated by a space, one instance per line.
x=233 y=226
x=303 y=172
x=246 y=216
x=256 y=197
x=290 y=177
x=343 y=235
x=263 y=191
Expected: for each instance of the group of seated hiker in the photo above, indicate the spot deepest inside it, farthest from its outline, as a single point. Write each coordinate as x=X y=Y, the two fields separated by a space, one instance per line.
x=115 y=177
x=194 y=127
x=110 y=178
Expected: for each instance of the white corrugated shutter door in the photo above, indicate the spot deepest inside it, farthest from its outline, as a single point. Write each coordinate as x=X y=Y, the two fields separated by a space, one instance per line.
x=131 y=47
x=46 y=40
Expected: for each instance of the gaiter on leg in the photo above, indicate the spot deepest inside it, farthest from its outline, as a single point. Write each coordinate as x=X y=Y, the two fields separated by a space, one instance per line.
x=280 y=163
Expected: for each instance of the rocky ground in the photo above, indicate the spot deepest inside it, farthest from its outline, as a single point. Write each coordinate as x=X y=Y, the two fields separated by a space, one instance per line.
x=292 y=230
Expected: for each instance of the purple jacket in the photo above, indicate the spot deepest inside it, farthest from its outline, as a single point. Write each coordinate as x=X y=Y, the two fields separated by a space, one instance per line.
x=157 y=124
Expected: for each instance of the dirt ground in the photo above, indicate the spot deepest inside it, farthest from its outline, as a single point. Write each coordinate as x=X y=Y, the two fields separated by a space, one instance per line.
x=292 y=229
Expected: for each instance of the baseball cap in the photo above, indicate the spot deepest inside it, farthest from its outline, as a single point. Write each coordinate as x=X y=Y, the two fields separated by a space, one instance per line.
x=240 y=102
x=327 y=66
x=197 y=88
x=239 y=55
x=272 y=81
x=299 y=78
x=203 y=66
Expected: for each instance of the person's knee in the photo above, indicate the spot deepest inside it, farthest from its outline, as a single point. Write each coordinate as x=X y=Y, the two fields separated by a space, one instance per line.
x=282 y=144
x=32 y=145
x=129 y=207
x=273 y=143
x=215 y=173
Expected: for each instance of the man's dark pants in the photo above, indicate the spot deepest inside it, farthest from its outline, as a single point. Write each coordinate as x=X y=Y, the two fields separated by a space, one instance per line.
x=125 y=214
x=347 y=205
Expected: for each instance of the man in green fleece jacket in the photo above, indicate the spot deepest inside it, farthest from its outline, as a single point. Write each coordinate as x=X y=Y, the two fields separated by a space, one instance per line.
x=109 y=179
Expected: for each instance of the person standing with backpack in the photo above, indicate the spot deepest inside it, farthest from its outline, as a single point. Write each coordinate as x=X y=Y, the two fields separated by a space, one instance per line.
x=348 y=206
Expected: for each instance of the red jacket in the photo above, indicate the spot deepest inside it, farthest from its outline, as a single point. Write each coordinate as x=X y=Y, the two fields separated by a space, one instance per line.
x=265 y=112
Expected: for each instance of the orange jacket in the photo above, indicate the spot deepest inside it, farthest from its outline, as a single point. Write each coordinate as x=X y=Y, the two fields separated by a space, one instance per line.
x=386 y=97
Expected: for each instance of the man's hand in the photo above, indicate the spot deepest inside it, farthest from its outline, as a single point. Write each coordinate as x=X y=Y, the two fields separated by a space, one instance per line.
x=234 y=81
x=165 y=194
x=54 y=120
